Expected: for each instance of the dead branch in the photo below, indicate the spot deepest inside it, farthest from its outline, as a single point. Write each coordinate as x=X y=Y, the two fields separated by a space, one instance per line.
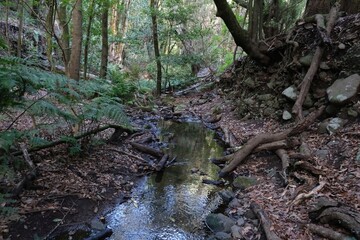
x=301 y=197
x=62 y=141
x=328 y=233
x=306 y=83
x=30 y=176
x=310 y=168
x=282 y=154
x=263 y=138
x=162 y=163
x=265 y=221
x=145 y=149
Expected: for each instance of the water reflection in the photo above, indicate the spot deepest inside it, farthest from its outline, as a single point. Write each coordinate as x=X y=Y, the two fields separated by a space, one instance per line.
x=175 y=207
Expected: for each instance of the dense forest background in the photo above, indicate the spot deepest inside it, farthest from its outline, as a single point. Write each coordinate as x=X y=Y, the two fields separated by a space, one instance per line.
x=71 y=69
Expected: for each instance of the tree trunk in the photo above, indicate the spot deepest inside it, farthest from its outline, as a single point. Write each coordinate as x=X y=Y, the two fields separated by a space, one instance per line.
x=271 y=19
x=21 y=27
x=255 y=9
x=87 y=39
x=50 y=31
x=118 y=26
x=241 y=37
x=105 y=42
x=65 y=34
x=75 y=57
x=153 y=7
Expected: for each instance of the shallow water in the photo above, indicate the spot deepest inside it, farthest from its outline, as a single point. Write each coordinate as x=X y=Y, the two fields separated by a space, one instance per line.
x=174 y=203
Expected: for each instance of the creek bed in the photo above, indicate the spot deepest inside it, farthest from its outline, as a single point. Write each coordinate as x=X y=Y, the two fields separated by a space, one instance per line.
x=173 y=204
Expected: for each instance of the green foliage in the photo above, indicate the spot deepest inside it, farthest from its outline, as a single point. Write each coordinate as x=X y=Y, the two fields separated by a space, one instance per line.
x=122 y=86
x=54 y=101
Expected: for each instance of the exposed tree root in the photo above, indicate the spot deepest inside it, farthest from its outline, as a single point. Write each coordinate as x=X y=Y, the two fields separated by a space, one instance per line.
x=328 y=233
x=265 y=221
x=330 y=212
x=282 y=154
x=306 y=83
x=248 y=148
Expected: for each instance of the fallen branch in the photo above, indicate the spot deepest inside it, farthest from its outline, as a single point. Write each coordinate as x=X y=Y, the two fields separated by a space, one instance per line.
x=328 y=233
x=265 y=221
x=282 y=154
x=30 y=176
x=145 y=149
x=310 y=168
x=315 y=63
x=301 y=197
x=62 y=141
x=263 y=138
x=162 y=163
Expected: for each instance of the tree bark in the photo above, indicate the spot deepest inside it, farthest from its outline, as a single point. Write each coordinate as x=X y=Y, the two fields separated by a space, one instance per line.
x=87 y=39
x=50 y=31
x=153 y=8
x=105 y=40
x=65 y=34
x=21 y=28
x=241 y=37
x=75 y=57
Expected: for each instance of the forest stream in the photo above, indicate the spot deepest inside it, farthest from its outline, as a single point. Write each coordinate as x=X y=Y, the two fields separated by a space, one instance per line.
x=173 y=204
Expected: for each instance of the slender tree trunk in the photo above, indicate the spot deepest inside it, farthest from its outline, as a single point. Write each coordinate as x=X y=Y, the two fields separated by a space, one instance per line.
x=50 y=31
x=153 y=8
x=255 y=9
x=75 y=57
x=87 y=39
x=118 y=26
x=271 y=20
x=7 y=36
x=21 y=27
x=105 y=42
x=65 y=35
x=240 y=36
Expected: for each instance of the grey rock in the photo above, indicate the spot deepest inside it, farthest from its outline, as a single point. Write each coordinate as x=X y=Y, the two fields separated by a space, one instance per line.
x=357 y=158
x=324 y=66
x=290 y=93
x=322 y=153
x=351 y=60
x=226 y=195
x=342 y=90
x=235 y=203
x=306 y=60
x=250 y=83
x=286 y=115
x=222 y=236
x=240 y=222
x=268 y=111
x=242 y=182
x=304 y=149
x=334 y=125
x=250 y=214
x=352 y=113
x=219 y=222
x=341 y=46
x=236 y=232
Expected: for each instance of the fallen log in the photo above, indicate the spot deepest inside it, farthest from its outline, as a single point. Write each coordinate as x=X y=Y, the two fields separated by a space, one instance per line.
x=265 y=221
x=149 y=150
x=263 y=138
x=162 y=163
x=63 y=141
